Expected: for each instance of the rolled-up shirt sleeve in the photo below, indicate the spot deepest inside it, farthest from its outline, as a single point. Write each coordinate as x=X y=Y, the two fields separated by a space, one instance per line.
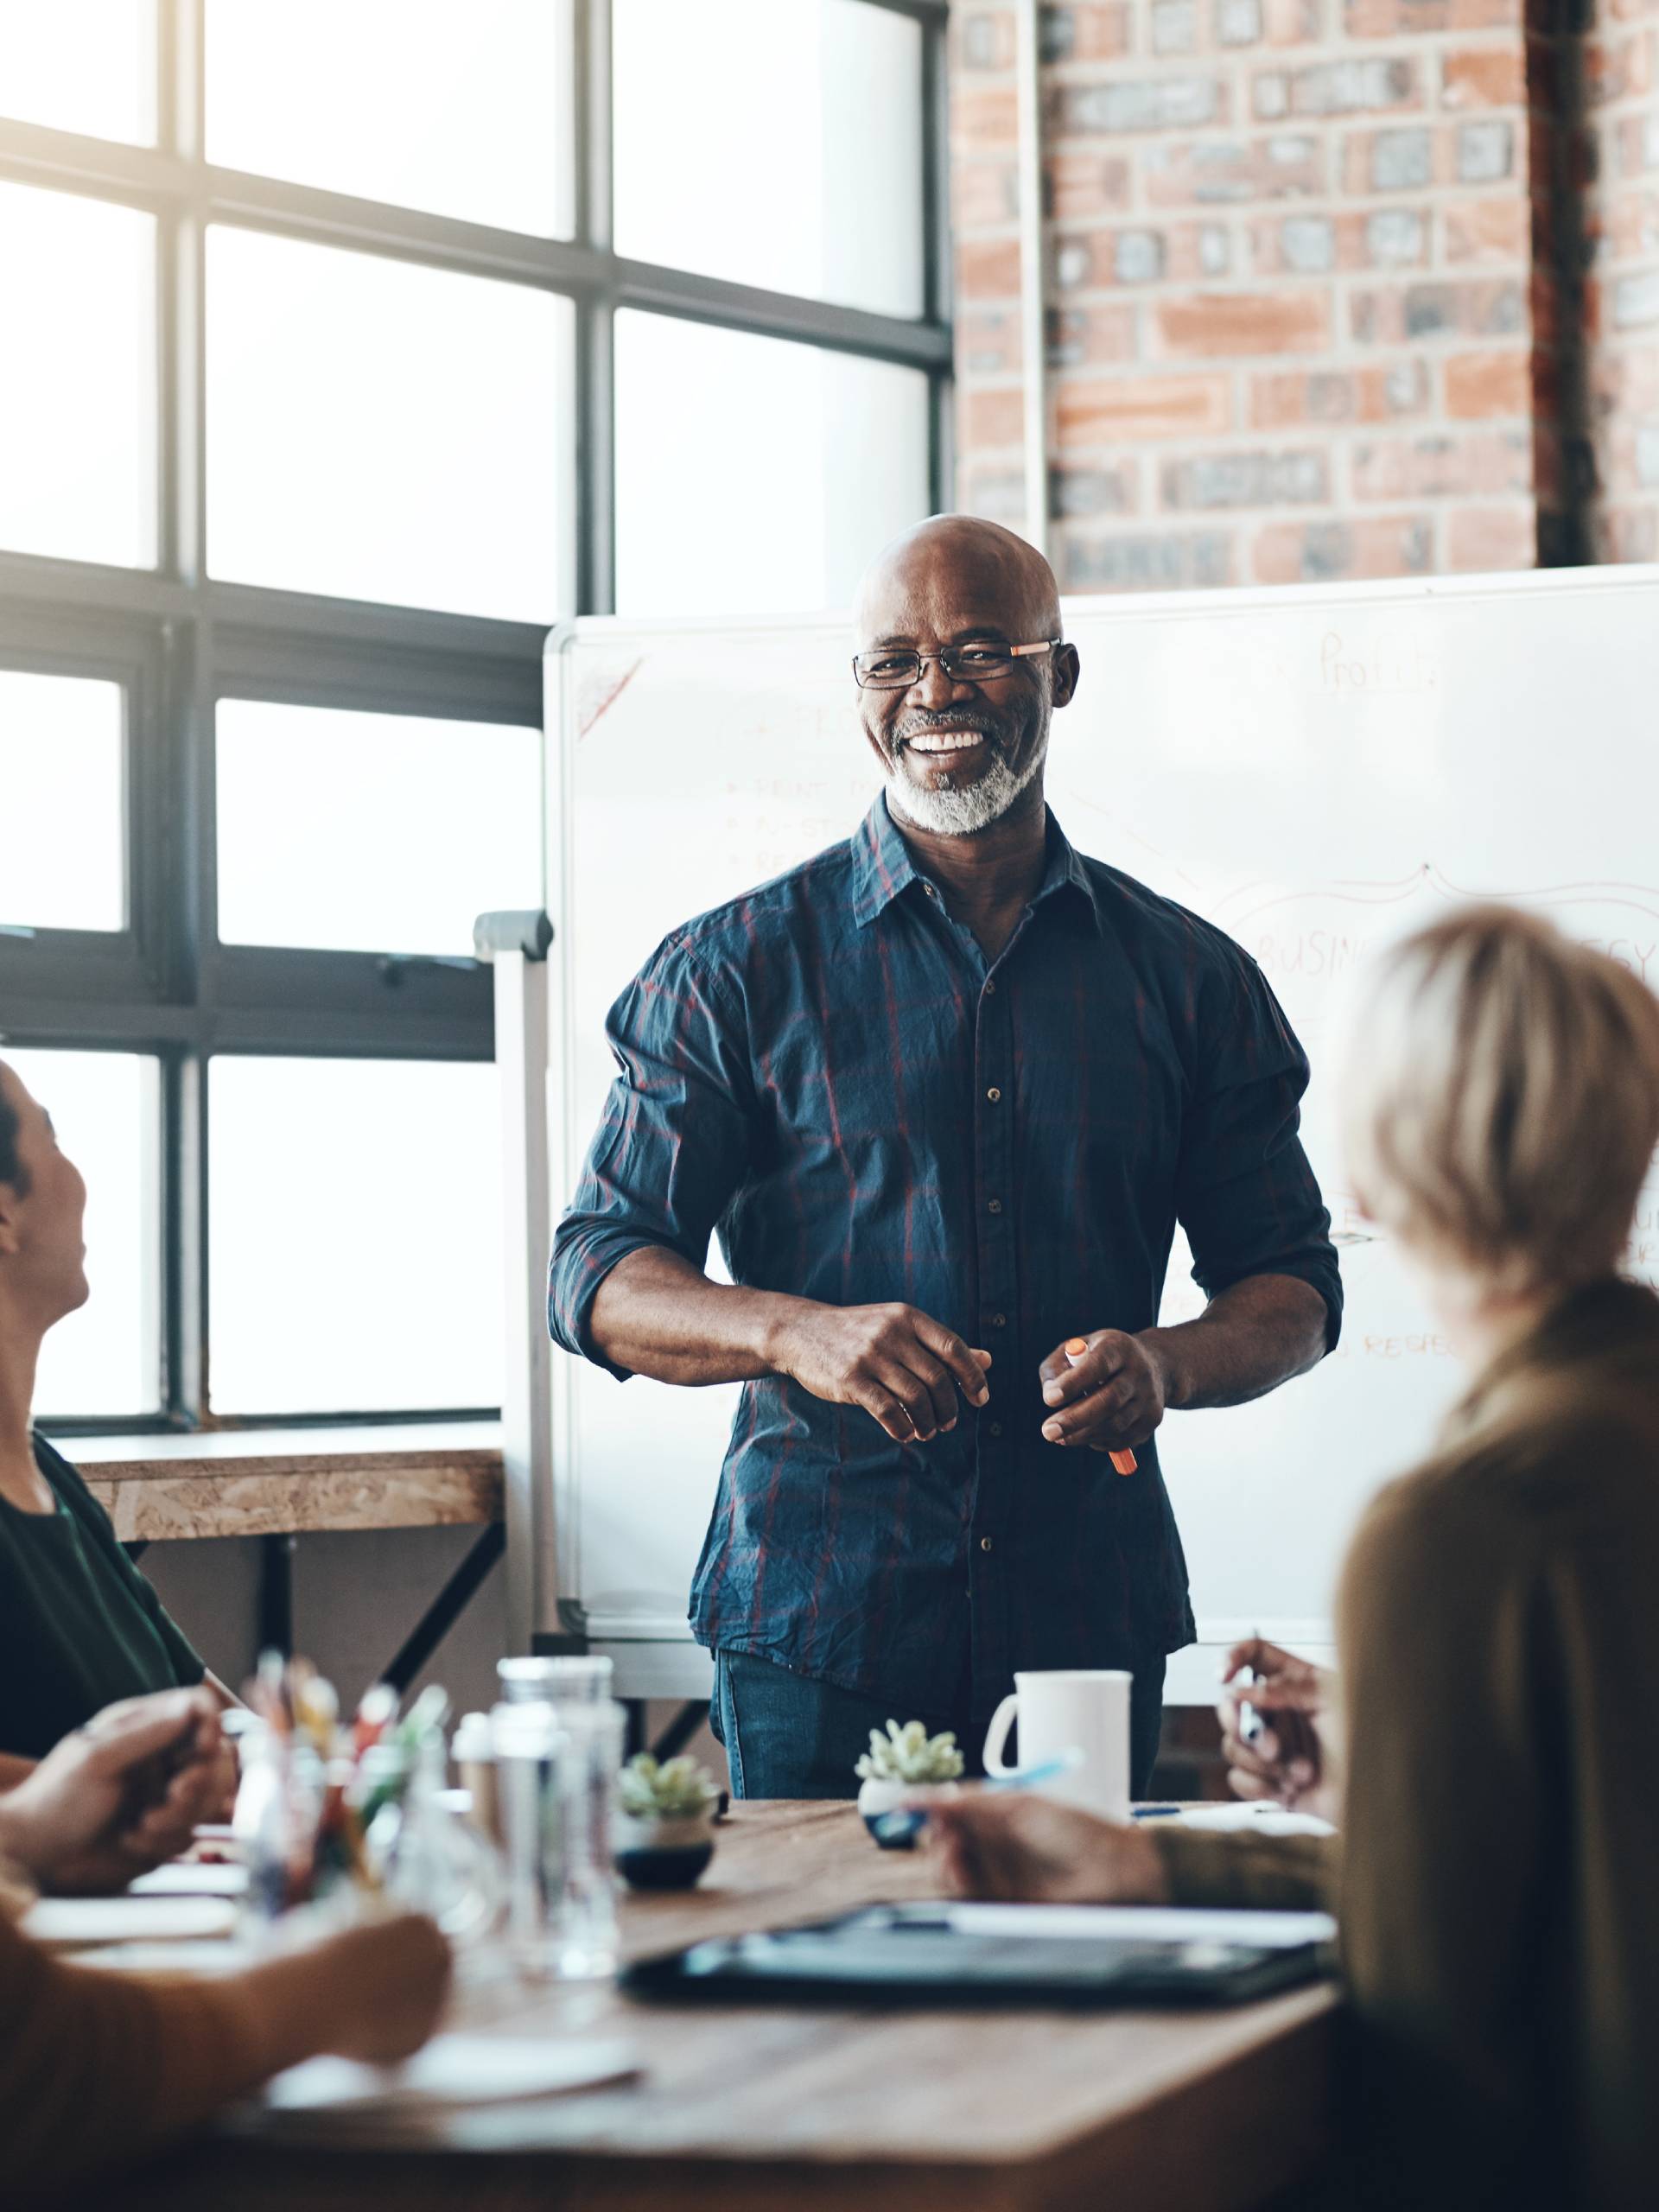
x=1245 y=1193
x=674 y=1143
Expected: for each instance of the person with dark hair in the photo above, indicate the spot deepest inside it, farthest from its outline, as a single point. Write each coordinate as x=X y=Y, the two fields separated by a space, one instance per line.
x=80 y=1627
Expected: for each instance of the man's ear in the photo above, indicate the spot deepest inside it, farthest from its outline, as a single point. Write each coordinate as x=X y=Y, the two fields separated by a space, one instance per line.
x=1065 y=675
x=11 y=1221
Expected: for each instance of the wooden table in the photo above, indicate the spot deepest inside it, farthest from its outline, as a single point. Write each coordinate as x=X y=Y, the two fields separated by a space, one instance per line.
x=791 y=2109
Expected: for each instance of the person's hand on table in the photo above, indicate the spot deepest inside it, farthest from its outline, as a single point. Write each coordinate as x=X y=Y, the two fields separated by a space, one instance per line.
x=1287 y=1759
x=119 y=1795
x=380 y=1989
x=1012 y=1846
x=903 y=1367
x=1112 y=1398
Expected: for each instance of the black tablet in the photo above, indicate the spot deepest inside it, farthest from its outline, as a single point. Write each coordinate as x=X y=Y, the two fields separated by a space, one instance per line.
x=987 y=1954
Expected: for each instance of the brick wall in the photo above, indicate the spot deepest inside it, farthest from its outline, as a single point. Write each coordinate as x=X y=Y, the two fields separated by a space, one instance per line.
x=1616 y=160
x=1293 y=327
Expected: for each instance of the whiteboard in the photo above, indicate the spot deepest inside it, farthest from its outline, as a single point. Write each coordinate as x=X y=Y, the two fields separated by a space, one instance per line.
x=1313 y=770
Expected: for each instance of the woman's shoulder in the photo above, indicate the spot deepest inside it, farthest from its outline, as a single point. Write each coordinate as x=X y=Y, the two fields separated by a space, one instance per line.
x=68 y=1483
x=1558 y=1450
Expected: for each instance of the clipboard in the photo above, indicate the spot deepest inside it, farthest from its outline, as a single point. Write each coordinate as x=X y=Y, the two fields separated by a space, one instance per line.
x=977 y=1954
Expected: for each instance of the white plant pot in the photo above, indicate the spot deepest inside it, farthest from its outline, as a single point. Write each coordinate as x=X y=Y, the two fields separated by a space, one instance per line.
x=876 y=1797
x=656 y=1851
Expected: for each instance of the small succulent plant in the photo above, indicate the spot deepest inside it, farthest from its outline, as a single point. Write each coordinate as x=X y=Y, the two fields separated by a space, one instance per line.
x=671 y=1789
x=909 y=1754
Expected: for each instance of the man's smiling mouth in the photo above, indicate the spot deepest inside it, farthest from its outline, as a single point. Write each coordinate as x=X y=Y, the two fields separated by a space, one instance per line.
x=945 y=741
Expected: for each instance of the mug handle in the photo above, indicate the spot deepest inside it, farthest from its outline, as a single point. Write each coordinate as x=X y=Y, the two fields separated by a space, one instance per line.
x=997 y=1734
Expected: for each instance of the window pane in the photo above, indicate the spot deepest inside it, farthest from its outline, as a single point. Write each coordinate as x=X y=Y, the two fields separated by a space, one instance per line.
x=778 y=145
x=380 y=431
x=62 y=857
x=105 y=1107
x=356 y=1235
x=80 y=65
x=462 y=110
x=376 y=833
x=804 y=463
x=77 y=377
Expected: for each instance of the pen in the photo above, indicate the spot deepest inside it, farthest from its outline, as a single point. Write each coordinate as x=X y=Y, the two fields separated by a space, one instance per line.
x=905 y=1822
x=1123 y=1461
x=1249 y=1720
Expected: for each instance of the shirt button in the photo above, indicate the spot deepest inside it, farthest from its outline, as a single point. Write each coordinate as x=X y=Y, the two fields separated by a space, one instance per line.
x=999 y=1321
x=990 y=985
x=996 y=1428
x=994 y=1094
x=994 y=1205
x=985 y=1544
x=930 y=892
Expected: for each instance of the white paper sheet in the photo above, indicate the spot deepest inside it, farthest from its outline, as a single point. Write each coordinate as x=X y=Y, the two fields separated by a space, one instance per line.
x=1144 y=1923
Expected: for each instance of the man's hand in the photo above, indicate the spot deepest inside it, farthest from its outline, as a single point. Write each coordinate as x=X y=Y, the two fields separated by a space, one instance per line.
x=904 y=1368
x=1114 y=1396
x=1285 y=1757
x=119 y=1795
x=1015 y=1847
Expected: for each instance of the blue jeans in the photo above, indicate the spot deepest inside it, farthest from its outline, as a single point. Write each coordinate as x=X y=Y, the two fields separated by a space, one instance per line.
x=788 y=1735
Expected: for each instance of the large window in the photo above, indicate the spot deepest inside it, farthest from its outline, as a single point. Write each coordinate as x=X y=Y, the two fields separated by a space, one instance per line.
x=349 y=345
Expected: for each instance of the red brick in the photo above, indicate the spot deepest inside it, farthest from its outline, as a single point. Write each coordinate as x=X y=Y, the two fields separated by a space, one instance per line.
x=984 y=119
x=1484 y=464
x=1629 y=227
x=1619 y=70
x=1233 y=325
x=988 y=269
x=1310 y=552
x=1399 y=393
x=1480 y=231
x=1492 y=537
x=987 y=343
x=1222 y=173
x=1290 y=22
x=1084 y=185
x=995 y=491
x=1428 y=311
x=1421 y=18
x=1094 y=32
x=984 y=195
x=1106 y=412
x=1628 y=534
x=1479 y=386
x=1081 y=337
x=992 y=418
x=1484 y=76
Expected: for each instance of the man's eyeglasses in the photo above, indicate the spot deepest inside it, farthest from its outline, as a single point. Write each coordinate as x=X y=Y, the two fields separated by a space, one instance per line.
x=891 y=670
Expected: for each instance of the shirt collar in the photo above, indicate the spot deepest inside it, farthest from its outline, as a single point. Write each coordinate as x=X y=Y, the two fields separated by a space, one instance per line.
x=882 y=867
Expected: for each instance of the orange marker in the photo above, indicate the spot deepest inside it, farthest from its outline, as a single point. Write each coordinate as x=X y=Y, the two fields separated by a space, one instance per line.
x=1123 y=1461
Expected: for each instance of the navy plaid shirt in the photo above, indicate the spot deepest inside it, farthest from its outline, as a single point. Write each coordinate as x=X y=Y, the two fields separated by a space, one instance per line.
x=831 y=1076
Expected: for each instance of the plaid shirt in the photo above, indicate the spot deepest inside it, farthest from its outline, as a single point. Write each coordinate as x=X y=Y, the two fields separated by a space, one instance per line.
x=831 y=1075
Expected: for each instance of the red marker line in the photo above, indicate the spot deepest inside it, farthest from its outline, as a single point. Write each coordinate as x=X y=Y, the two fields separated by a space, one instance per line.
x=1123 y=1461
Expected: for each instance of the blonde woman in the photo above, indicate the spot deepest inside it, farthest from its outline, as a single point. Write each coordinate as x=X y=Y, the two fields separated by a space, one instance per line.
x=1491 y=1753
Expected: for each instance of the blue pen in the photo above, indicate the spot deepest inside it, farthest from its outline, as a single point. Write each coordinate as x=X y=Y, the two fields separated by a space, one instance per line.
x=898 y=1829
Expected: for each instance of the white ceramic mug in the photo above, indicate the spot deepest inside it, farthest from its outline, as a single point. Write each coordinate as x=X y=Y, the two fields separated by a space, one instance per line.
x=1089 y=1709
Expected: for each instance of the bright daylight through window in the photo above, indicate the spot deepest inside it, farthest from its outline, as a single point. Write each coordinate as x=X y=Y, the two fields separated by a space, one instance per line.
x=326 y=392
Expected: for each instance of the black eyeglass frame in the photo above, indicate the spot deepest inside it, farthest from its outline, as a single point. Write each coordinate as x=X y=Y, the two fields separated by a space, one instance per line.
x=947 y=656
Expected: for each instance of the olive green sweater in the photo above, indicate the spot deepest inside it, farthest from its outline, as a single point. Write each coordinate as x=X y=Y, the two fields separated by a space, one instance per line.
x=1497 y=1882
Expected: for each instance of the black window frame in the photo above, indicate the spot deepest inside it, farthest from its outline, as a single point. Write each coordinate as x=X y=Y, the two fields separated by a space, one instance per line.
x=178 y=640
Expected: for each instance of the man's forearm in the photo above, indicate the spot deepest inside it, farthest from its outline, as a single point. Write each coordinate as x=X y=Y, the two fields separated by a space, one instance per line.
x=656 y=1314
x=1250 y=1338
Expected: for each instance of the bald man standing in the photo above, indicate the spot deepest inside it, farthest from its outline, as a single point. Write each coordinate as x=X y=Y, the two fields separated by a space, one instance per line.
x=944 y=1093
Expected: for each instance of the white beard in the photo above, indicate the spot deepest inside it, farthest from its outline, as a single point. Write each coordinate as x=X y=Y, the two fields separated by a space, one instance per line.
x=948 y=811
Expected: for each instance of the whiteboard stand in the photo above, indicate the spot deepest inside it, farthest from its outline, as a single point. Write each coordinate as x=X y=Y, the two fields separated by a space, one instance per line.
x=516 y=945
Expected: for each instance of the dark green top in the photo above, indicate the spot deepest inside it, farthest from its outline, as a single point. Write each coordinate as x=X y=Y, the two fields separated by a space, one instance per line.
x=80 y=1626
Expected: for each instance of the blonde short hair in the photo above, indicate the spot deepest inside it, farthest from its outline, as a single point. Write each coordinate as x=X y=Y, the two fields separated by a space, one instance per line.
x=1500 y=1099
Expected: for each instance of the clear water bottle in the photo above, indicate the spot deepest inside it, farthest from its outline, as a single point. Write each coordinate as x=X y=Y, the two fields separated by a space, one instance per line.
x=556 y=1770
x=571 y=1681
